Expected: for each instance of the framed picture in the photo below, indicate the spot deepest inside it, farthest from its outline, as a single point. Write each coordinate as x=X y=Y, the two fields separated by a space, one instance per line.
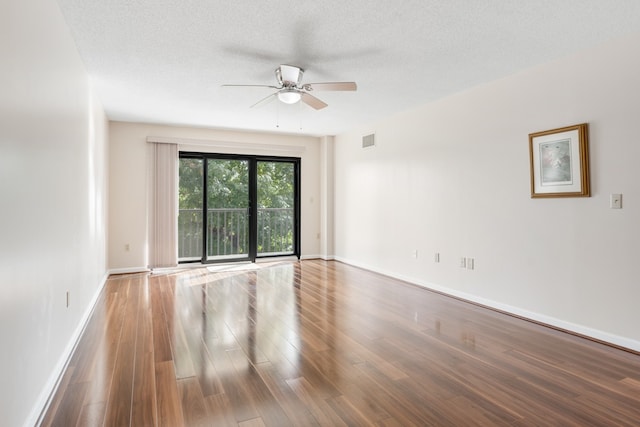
x=560 y=162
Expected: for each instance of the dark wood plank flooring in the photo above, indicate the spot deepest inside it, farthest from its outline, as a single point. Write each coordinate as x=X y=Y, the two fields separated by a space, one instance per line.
x=317 y=343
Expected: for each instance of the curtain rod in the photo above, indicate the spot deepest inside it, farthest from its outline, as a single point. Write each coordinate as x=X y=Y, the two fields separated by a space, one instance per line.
x=225 y=144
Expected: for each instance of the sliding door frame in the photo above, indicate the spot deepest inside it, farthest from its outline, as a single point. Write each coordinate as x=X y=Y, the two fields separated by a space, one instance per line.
x=253 y=205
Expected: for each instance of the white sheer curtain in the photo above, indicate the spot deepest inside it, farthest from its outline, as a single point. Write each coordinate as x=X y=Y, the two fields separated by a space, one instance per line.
x=163 y=224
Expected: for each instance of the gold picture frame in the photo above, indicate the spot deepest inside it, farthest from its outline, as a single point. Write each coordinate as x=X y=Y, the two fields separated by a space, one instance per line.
x=560 y=162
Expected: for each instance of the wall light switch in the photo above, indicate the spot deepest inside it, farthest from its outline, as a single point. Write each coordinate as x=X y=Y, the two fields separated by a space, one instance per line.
x=616 y=201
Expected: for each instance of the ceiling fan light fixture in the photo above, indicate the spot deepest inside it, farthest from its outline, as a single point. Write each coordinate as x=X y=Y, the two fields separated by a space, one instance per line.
x=289 y=96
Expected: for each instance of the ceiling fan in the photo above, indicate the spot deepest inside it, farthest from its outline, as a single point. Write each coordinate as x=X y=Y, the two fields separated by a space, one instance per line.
x=291 y=90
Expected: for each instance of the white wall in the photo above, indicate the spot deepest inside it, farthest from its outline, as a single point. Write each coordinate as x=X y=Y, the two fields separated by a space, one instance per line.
x=53 y=137
x=128 y=220
x=453 y=177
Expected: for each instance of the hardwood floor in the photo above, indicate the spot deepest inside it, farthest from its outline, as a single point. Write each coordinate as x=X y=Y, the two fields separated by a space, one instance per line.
x=317 y=343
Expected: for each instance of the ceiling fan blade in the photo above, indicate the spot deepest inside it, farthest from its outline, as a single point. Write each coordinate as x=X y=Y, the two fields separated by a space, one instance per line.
x=269 y=86
x=312 y=101
x=340 y=86
x=265 y=100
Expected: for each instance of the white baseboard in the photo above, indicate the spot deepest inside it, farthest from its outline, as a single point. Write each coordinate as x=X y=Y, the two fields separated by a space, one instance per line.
x=586 y=331
x=44 y=399
x=322 y=257
x=129 y=270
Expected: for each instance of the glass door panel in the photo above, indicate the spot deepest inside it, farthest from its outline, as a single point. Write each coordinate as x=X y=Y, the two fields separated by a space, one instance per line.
x=190 y=205
x=276 y=204
x=227 y=211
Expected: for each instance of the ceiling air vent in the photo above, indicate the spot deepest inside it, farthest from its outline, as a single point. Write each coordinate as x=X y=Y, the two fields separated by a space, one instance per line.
x=369 y=140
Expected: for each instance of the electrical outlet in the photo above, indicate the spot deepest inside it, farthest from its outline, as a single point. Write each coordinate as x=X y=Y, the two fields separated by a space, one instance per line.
x=436 y=257
x=470 y=262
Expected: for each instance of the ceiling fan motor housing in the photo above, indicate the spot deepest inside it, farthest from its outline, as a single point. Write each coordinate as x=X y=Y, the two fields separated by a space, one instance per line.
x=289 y=76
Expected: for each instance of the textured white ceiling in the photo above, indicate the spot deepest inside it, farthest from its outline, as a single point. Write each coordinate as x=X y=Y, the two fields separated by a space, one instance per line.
x=164 y=61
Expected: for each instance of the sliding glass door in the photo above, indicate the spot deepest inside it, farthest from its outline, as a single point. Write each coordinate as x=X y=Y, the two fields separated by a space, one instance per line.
x=247 y=207
x=276 y=208
x=227 y=209
x=190 y=209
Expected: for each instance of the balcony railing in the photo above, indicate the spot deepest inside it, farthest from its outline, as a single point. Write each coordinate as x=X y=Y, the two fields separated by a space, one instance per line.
x=275 y=231
x=228 y=232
